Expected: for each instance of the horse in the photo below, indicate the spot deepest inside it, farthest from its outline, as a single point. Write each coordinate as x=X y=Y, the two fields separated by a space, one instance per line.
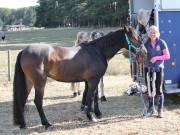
x=145 y=18
x=84 y=63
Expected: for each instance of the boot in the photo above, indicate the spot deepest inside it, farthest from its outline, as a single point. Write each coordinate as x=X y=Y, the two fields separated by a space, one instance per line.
x=103 y=99
x=151 y=109
x=160 y=103
x=74 y=94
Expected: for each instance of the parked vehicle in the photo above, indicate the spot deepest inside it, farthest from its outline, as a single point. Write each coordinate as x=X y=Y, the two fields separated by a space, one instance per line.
x=167 y=18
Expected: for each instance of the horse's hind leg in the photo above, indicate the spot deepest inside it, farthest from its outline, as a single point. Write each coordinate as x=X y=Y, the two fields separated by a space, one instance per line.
x=39 y=93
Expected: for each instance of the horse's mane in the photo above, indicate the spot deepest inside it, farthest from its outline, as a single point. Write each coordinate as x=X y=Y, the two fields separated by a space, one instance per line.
x=105 y=41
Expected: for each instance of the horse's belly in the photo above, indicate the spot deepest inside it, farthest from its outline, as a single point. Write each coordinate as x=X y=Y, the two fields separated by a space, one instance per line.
x=75 y=76
x=77 y=71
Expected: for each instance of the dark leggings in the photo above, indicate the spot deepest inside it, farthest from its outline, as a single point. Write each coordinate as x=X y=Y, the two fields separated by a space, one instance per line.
x=159 y=80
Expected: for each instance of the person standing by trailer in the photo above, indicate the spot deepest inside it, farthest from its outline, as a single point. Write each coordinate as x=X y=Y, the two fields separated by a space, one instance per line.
x=157 y=53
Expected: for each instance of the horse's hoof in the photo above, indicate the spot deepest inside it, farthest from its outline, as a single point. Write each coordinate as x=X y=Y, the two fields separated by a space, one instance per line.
x=94 y=119
x=23 y=126
x=91 y=117
x=47 y=125
x=103 y=99
x=98 y=115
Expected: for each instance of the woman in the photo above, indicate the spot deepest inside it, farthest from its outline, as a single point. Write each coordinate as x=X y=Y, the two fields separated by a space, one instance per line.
x=81 y=38
x=157 y=53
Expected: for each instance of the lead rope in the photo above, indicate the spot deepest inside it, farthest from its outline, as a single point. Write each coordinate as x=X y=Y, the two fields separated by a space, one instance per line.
x=139 y=76
x=130 y=46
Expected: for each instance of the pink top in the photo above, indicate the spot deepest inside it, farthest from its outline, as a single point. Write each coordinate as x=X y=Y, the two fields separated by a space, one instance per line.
x=165 y=55
x=153 y=44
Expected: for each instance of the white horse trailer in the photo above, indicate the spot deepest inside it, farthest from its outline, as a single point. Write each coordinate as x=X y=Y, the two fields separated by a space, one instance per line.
x=167 y=18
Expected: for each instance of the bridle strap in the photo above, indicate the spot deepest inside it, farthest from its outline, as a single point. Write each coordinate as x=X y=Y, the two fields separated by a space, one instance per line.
x=130 y=46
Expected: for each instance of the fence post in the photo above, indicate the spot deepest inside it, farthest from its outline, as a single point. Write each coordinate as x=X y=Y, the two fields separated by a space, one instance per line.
x=9 y=65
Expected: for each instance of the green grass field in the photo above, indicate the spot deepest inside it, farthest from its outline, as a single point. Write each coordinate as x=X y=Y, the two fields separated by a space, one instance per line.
x=64 y=36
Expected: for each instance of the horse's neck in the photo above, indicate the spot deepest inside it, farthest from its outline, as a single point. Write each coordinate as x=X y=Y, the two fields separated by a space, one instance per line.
x=113 y=44
x=111 y=51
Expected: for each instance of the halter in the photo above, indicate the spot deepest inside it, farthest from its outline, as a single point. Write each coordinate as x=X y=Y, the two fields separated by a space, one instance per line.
x=130 y=46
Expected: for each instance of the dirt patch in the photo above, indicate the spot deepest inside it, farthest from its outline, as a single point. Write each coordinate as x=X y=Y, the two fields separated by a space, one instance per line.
x=122 y=114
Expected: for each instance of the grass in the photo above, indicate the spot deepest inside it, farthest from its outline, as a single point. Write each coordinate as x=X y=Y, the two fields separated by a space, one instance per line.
x=4 y=64
x=64 y=36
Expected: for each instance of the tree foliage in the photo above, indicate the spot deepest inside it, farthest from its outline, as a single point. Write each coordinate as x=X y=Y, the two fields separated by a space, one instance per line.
x=60 y=13
x=54 y=13
x=25 y=16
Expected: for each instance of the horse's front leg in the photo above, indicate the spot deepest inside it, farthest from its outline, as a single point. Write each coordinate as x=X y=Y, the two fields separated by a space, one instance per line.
x=92 y=85
x=96 y=105
x=39 y=93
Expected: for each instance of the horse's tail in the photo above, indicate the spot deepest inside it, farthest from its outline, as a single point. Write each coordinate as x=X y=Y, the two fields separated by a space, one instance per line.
x=19 y=92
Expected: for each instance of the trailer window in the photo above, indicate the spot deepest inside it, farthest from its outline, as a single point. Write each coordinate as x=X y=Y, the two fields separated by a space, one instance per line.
x=170 y=5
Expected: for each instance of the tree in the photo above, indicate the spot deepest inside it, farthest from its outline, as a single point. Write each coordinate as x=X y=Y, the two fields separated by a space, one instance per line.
x=26 y=16
x=53 y=13
x=1 y=23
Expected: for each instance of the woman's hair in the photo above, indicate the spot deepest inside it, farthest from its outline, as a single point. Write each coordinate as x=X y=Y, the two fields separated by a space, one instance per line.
x=154 y=29
x=82 y=36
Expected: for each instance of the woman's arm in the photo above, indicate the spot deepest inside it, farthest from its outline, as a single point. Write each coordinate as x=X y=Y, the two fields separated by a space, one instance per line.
x=165 y=56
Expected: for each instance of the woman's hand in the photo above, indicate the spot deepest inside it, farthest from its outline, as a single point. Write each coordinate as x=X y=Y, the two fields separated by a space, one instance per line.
x=153 y=60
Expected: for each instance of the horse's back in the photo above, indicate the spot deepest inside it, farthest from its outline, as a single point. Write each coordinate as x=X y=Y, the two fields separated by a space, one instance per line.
x=38 y=50
x=67 y=64
x=34 y=59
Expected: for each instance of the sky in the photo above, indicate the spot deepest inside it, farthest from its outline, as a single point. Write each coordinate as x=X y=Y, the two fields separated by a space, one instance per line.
x=17 y=3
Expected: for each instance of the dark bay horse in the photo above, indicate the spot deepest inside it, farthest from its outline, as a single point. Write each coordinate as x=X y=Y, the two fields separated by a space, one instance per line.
x=85 y=63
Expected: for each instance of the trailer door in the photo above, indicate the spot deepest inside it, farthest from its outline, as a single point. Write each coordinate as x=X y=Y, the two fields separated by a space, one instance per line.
x=169 y=23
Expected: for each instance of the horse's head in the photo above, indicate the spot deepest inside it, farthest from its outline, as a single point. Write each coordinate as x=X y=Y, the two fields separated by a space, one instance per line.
x=144 y=19
x=134 y=43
